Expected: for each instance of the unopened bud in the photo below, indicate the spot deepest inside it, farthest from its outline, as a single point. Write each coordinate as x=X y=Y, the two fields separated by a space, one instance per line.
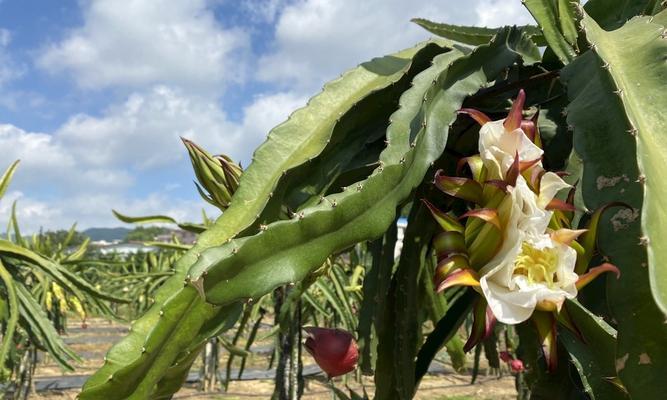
x=218 y=176
x=516 y=366
x=334 y=350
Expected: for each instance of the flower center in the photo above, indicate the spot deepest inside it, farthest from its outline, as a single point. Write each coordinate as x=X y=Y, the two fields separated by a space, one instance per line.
x=537 y=265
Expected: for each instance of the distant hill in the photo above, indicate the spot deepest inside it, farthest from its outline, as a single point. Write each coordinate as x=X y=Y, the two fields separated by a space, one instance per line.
x=108 y=234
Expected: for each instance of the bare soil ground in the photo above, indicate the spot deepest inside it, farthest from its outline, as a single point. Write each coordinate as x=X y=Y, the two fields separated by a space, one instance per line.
x=93 y=342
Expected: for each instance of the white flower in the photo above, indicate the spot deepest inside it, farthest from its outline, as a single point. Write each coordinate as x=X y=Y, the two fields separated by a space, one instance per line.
x=498 y=147
x=530 y=268
x=526 y=213
x=535 y=270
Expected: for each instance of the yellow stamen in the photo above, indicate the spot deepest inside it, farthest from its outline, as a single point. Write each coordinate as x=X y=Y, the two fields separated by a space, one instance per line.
x=538 y=265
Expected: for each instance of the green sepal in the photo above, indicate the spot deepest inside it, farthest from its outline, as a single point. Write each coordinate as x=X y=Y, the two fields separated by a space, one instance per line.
x=461 y=188
x=476 y=165
x=588 y=240
x=545 y=323
x=446 y=243
x=482 y=325
x=447 y=265
x=485 y=245
x=446 y=222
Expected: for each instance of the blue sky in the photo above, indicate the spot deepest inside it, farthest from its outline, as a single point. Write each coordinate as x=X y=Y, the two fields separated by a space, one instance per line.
x=94 y=95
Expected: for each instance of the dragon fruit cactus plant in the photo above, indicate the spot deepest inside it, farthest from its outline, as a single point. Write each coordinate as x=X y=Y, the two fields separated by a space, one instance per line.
x=544 y=190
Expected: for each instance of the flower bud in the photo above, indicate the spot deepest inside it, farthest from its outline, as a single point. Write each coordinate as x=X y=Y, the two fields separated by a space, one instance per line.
x=334 y=350
x=506 y=356
x=516 y=366
x=218 y=176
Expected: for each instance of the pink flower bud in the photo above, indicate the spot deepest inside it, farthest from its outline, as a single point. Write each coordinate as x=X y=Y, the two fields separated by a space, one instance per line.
x=334 y=350
x=516 y=366
x=506 y=356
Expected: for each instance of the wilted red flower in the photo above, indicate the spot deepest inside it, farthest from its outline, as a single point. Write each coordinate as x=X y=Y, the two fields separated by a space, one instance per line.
x=334 y=350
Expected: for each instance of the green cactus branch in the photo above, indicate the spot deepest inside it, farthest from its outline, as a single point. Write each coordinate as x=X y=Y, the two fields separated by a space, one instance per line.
x=354 y=146
x=592 y=358
x=637 y=78
x=10 y=326
x=474 y=35
x=42 y=330
x=613 y=124
x=376 y=286
x=318 y=120
x=362 y=211
x=545 y=13
x=399 y=336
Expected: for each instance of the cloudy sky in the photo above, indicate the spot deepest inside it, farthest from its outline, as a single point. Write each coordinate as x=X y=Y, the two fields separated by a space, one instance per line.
x=94 y=95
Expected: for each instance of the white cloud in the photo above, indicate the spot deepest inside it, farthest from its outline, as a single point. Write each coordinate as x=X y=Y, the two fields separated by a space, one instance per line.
x=30 y=213
x=264 y=113
x=495 y=13
x=263 y=10
x=90 y=162
x=174 y=58
x=94 y=210
x=315 y=40
x=97 y=208
x=9 y=69
x=144 y=131
x=135 y=43
x=41 y=157
x=4 y=37
x=47 y=164
x=16 y=100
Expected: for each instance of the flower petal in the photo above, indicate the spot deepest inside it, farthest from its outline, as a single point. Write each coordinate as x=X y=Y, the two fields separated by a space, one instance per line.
x=513 y=120
x=550 y=185
x=566 y=236
x=461 y=277
x=513 y=298
x=560 y=205
x=509 y=307
x=527 y=214
x=477 y=115
x=594 y=272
